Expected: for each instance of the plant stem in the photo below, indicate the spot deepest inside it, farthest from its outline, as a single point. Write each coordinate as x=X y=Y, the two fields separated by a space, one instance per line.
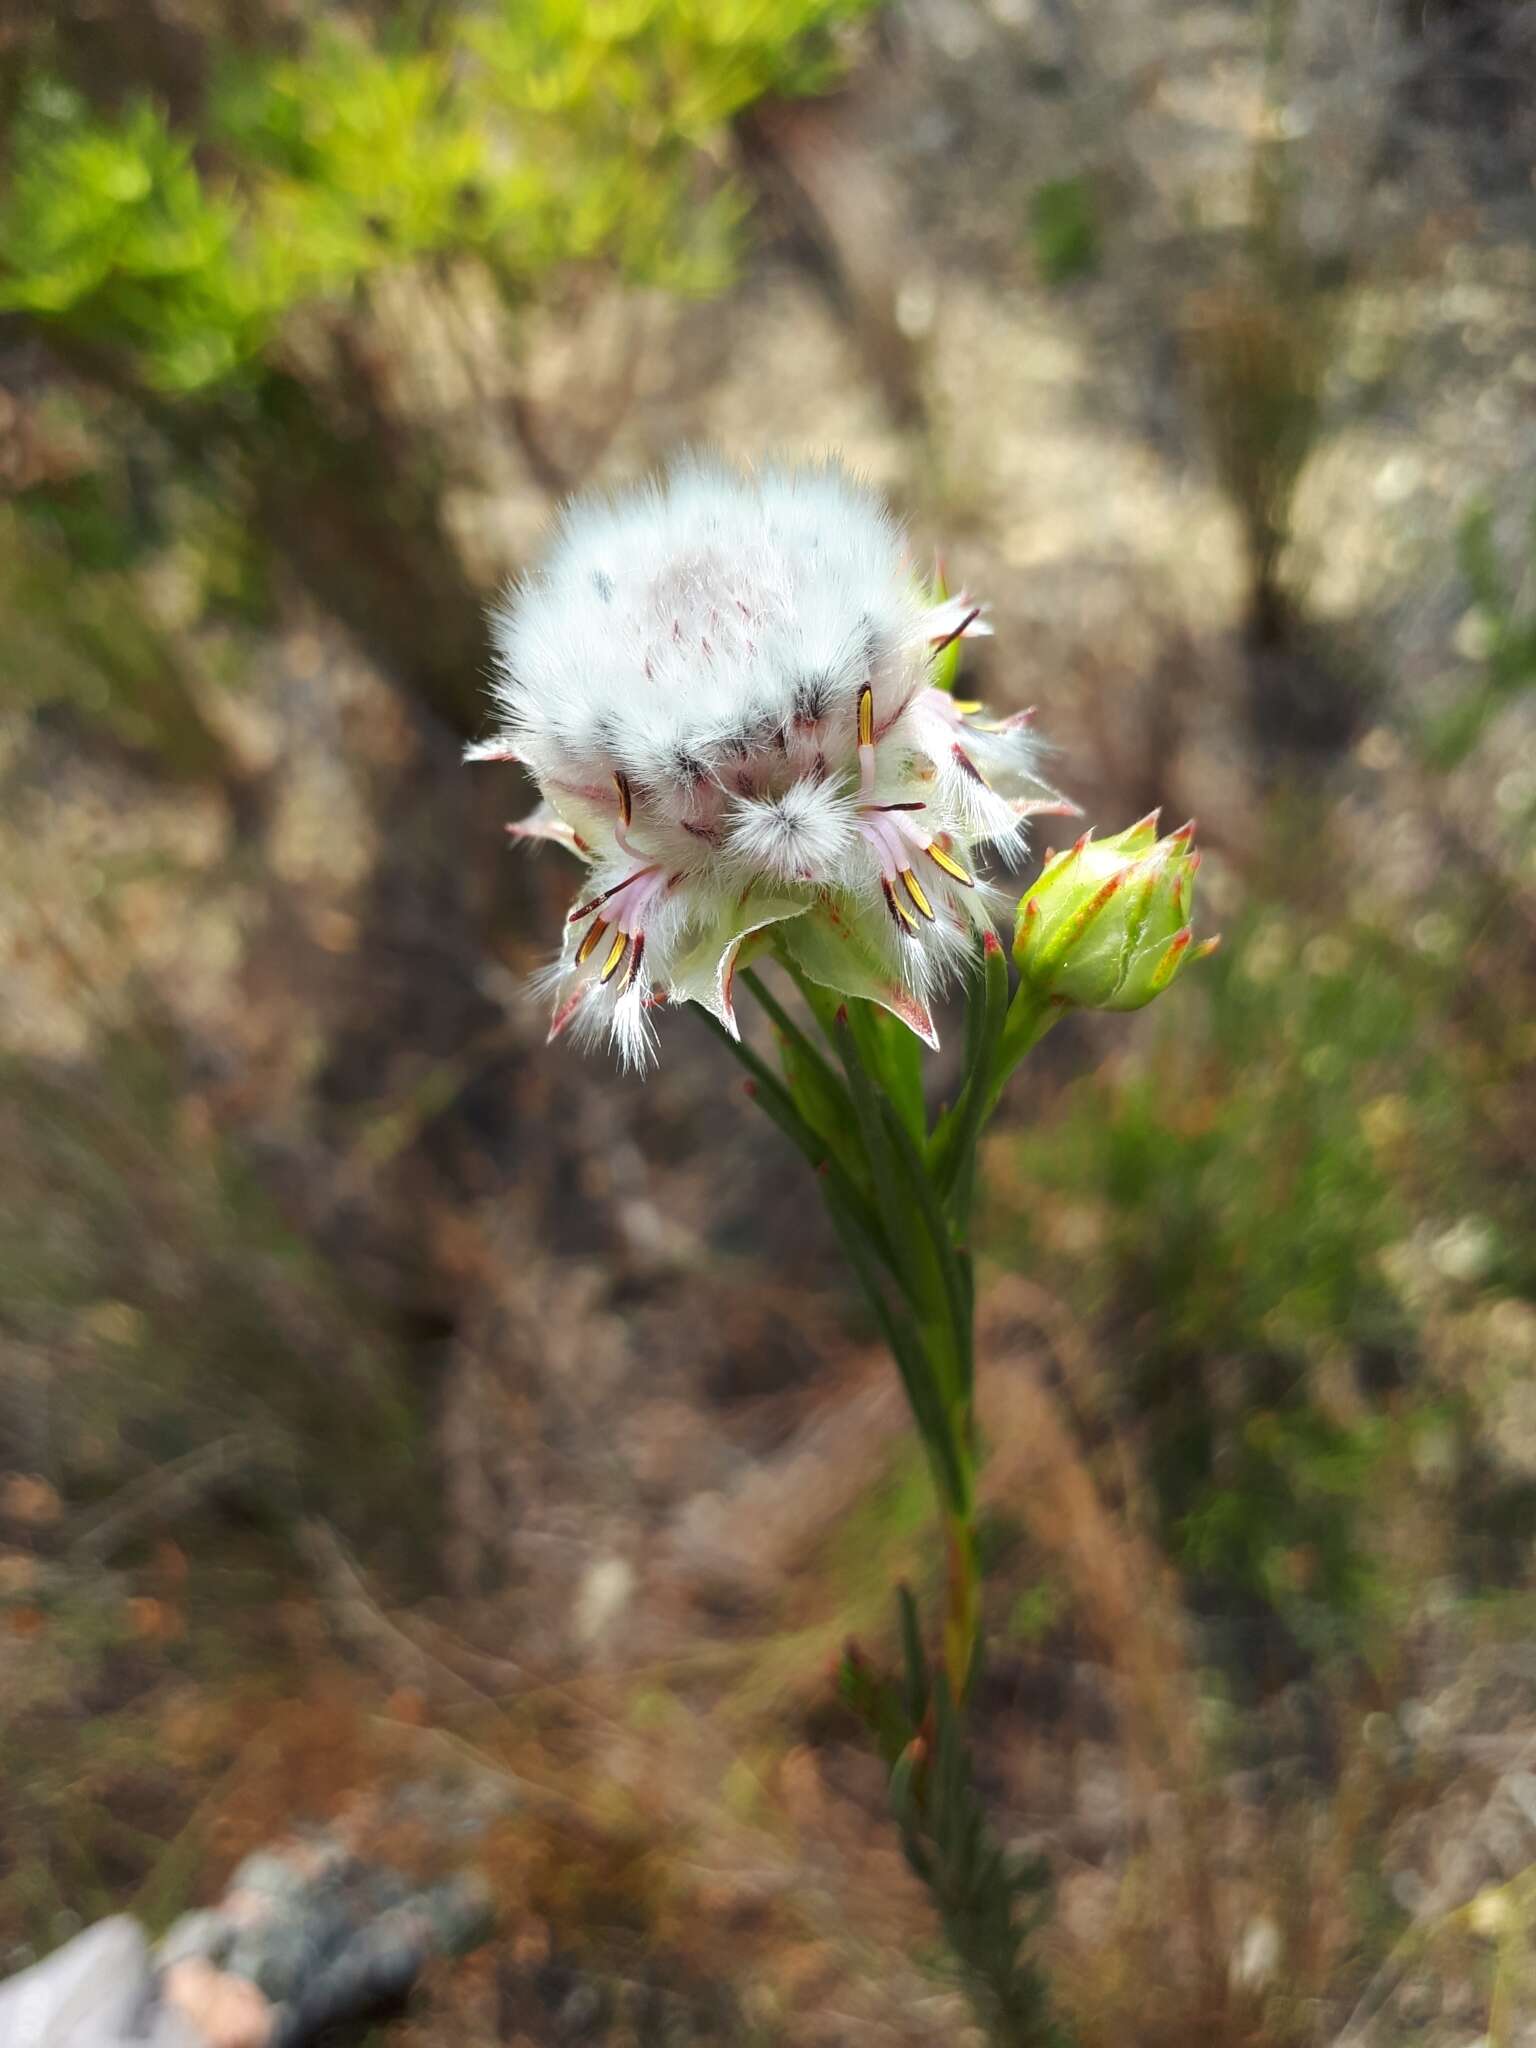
x=899 y=1196
x=921 y=1260
x=1029 y=1018
x=962 y=1617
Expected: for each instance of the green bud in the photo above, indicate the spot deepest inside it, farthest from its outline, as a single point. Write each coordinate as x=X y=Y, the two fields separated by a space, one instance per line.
x=1106 y=926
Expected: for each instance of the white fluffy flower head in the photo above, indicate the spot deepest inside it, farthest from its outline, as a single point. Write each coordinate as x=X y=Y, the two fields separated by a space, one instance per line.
x=722 y=685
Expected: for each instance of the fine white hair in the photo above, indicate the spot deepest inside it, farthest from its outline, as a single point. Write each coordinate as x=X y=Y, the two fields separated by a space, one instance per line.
x=677 y=627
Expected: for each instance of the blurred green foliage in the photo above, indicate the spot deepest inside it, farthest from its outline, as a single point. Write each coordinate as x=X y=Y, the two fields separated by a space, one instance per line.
x=142 y=1248
x=78 y=631
x=108 y=228
x=1064 y=227
x=529 y=137
x=1506 y=620
x=1247 y=1203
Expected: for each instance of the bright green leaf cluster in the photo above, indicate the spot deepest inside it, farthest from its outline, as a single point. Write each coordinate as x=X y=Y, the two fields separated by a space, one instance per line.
x=663 y=70
x=110 y=228
x=356 y=158
x=529 y=136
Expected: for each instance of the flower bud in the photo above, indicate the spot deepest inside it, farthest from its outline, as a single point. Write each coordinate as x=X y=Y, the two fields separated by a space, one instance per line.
x=1106 y=926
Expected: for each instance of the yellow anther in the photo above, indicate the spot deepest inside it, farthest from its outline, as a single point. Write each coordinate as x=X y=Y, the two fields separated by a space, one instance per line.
x=953 y=868
x=589 y=944
x=615 y=955
x=866 y=716
x=914 y=889
x=897 y=908
x=626 y=801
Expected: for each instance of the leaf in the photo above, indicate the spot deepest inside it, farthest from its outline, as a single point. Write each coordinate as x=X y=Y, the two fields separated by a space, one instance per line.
x=847 y=949
x=704 y=968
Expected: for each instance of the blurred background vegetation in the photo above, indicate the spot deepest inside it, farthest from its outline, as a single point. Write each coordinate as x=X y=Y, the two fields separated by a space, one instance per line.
x=384 y=1396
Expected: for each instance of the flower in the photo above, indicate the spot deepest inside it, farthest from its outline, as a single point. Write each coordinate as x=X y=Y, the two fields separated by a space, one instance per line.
x=721 y=683
x=1106 y=926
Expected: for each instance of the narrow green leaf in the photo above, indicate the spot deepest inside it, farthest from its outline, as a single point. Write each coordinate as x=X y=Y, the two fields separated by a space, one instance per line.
x=913 y=1656
x=912 y=1362
x=894 y=1054
x=776 y=1101
x=818 y=1092
x=954 y=1146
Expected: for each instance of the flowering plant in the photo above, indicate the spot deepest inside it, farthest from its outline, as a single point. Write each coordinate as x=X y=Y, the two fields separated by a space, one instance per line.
x=737 y=701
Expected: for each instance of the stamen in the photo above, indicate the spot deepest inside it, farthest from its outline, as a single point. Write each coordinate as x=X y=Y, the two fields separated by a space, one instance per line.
x=914 y=889
x=951 y=867
x=636 y=956
x=866 y=743
x=895 y=807
x=970 y=767
x=950 y=638
x=586 y=909
x=616 y=954
x=590 y=943
x=905 y=921
x=626 y=800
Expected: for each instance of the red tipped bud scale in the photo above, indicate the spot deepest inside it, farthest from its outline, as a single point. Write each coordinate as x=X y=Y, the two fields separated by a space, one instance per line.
x=1143 y=834
x=1106 y=926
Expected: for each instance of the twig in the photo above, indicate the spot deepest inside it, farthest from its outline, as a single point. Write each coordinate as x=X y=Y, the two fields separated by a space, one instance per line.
x=367 y=1627
x=170 y=1489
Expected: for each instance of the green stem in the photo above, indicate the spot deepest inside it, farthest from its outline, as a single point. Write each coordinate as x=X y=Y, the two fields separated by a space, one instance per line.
x=904 y=1251
x=937 y=1283
x=1029 y=1018
x=949 y=1305
x=900 y=1198
x=962 y=1606
x=953 y=1151
x=952 y=1476
x=862 y=1232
